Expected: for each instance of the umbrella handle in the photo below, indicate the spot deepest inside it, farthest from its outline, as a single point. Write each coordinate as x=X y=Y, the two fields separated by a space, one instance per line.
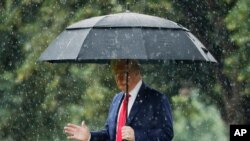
x=126 y=125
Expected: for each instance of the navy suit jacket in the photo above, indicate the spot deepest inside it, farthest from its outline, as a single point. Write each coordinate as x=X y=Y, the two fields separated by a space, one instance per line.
x=150 y=117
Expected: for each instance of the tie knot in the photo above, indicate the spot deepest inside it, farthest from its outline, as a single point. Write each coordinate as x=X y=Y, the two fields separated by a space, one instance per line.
x=128 y=95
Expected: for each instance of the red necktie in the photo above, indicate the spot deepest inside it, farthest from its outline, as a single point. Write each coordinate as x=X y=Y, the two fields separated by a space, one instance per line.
x=122 y=118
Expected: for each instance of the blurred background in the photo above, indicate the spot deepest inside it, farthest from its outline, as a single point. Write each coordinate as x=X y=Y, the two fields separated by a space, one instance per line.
x=37 y=99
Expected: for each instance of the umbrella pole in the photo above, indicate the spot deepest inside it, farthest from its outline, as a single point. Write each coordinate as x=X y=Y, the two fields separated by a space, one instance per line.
x=126 y=92
x=127 y=96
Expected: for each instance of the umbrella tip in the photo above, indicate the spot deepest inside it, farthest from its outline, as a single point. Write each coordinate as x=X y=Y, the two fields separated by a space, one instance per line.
x=127 y=7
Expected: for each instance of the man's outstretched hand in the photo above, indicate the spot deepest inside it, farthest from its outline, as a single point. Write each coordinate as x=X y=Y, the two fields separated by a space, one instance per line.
x=77 y=132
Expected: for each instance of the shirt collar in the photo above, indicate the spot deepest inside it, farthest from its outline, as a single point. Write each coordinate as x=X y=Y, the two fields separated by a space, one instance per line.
x=136 y=89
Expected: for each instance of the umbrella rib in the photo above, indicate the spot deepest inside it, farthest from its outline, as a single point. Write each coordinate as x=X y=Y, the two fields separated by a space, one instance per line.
x=77 y=57
x=62 y=53
x=198 y=45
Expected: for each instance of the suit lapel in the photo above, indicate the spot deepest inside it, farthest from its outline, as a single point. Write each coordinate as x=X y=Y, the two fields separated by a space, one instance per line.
x=116 y=105
x=113 y=122
x=139 y=101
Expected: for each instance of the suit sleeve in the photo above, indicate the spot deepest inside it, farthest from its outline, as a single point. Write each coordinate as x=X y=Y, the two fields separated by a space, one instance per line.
x=99 y=135
x=103 y=135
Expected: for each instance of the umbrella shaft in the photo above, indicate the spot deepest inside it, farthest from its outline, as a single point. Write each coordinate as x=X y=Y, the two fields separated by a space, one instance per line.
x=127 y=97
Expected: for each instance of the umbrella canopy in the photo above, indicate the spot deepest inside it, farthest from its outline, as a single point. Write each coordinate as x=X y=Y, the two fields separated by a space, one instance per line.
x=125 y=36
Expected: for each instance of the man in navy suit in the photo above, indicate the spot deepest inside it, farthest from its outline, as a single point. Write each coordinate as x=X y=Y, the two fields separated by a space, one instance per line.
x=149 y=115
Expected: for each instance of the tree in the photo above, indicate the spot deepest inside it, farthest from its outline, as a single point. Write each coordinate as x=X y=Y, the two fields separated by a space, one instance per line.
x=40 y=98
x=214 y=25
x=195 y=120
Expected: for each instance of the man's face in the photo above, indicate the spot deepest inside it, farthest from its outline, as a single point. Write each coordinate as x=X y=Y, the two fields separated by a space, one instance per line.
x=120 y=78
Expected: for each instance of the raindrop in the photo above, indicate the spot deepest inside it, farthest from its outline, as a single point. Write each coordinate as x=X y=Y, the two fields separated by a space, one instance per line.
x=194 y=19
x=63 y=2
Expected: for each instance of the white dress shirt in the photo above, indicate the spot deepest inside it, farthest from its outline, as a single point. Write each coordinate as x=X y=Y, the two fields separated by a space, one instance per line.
x=133 y=96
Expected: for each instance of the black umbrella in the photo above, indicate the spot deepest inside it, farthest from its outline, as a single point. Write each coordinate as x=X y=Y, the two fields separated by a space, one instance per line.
x=126 y=36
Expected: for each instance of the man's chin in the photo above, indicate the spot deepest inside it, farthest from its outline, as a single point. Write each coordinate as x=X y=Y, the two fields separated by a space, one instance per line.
x=122 y=88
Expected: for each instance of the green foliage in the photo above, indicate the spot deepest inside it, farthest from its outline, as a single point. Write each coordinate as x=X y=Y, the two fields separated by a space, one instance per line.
x=195 y=121
x=238 y=21
x=38 y=98
x=237 y=64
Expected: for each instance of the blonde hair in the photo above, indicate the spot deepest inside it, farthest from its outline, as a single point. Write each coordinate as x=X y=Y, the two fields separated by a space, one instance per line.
x=133 y=65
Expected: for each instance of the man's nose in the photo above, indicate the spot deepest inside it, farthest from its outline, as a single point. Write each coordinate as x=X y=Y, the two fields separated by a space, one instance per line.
x=121 y=77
